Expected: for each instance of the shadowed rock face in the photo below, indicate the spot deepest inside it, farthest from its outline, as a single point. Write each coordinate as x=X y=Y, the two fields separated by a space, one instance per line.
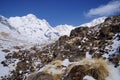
x=76 y=73
x=82 y=40
x=80 y=31
x=109 y=31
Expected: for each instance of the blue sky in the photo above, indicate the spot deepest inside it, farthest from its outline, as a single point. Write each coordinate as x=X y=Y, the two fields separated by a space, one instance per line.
x=72 y=12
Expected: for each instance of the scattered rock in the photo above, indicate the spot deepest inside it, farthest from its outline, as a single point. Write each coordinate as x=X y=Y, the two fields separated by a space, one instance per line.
x=6 y=50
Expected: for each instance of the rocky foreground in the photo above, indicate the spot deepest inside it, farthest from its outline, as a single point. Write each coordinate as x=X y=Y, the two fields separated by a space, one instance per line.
x=89 y=53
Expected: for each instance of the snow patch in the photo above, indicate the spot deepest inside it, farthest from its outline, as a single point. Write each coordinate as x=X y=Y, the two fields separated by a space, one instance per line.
x=66 y=62
x=88 y=55
x=114 y=73
x=87 y=77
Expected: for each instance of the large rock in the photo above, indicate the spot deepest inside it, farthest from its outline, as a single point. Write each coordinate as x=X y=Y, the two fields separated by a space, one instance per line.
x=80 y=31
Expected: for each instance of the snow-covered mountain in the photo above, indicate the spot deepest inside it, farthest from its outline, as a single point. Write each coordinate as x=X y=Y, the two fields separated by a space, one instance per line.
x=31 y=29
x=94 y=22
x=34 y=29
x=28 y=28
x=64 y=29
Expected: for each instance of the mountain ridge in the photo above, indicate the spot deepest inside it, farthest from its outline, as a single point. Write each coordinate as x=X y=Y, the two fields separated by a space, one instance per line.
x=35 y=30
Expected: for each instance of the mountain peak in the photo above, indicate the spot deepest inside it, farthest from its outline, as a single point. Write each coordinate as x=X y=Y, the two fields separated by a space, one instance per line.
x=31 y=16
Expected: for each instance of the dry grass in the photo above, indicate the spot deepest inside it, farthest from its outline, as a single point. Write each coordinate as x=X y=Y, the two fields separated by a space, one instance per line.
x=101 y=68
x=96 y=68
x=40 y=76
x=55 y=69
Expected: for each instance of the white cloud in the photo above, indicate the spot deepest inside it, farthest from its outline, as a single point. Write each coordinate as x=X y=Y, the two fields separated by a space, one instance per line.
x=105 y=10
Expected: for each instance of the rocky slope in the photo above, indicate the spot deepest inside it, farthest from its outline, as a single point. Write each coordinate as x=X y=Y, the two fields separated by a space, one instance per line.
x=89 y=53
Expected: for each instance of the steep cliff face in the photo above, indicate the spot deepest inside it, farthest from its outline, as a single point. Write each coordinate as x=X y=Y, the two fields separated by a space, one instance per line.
x=89 y=52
